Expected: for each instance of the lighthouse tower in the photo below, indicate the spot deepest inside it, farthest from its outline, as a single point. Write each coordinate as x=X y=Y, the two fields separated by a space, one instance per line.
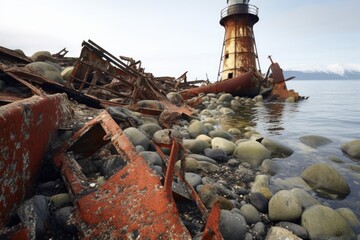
x=239 y=53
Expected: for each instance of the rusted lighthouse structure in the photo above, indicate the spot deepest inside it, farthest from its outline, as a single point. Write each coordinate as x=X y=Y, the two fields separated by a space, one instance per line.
x=239 y=52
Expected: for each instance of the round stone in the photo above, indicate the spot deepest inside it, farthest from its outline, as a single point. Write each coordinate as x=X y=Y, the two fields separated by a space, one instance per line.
x=321 y=176
x=66 y=73
x=223 y=144
x=315 y=141
x=270 y=167
x=196 y=146
x=250 y=214
x=227 y=111
x=47 y=71
x=175 y=98
x=226 y=97
x=153 y=104
x=149 y=129
x=280 y=233
x=197 y=128
x=221 y=134
x=41 y=56
x=204 y=138
x=322 y=222
x=217 y=154
x=276 y=148
x=208 y=167
x=111 y=165
x=232 y=225
x=295 y=228
x=193 y=179
x=259 y=201
x=61 y=219
x=284 y=206
x=252 y=152
x=61 y=200
x=352 y=148
x=136 y=137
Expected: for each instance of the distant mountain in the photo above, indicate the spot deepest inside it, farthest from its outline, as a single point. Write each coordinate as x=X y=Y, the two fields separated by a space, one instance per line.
x=324 y=72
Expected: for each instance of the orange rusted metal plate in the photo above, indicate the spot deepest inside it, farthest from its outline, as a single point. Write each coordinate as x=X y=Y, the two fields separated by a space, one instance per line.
x=277 y=73
x=131 y=204
x=281 y=92
x=26 y=129
x=211 y=231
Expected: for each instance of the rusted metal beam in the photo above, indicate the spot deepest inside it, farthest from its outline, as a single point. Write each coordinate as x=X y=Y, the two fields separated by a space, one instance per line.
x=245 y=84
x=9 y=56
x=24 y=146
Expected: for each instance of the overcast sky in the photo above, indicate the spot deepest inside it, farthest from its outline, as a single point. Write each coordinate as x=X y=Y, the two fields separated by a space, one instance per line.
x=171 y=37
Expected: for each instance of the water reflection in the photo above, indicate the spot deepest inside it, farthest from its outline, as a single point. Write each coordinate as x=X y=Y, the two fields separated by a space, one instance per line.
x=246 y=116
x=267 y=118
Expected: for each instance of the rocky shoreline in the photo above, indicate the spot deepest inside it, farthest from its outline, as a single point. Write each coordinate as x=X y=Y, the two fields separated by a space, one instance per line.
x=230 y=166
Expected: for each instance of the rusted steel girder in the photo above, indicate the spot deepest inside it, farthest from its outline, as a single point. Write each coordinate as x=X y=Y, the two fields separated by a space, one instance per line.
x=132 y=203
x=23 y=146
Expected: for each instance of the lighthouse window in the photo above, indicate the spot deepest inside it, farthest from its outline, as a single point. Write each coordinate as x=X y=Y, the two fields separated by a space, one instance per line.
x=230 y=75
x=226 y=55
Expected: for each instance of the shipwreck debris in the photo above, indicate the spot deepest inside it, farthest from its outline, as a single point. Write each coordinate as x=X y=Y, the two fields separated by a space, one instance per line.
x=21 y=160
x=133 y=201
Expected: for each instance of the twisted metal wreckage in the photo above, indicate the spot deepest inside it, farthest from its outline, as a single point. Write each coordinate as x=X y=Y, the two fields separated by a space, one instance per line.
x=132 y=203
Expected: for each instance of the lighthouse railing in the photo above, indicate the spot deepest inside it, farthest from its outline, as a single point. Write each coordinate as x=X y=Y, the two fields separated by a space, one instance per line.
x=239 y=9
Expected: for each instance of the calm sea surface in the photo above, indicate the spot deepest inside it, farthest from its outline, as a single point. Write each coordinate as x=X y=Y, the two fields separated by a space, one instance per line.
x=332 y=111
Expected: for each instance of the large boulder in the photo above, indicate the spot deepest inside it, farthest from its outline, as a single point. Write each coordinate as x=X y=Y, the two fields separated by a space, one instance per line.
x=252 y=152
x=322 y=222
x=323 y=177
x=352 y=148
x=276 y=148
x=223 y=144
x=46 y=70
x=315 y=141
x=284 y=206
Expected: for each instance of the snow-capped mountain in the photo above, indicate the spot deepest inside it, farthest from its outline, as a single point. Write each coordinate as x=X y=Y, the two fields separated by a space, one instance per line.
x=320 y=72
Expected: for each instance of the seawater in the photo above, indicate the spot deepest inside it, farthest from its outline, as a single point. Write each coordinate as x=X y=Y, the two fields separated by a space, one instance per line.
x=332 y=111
